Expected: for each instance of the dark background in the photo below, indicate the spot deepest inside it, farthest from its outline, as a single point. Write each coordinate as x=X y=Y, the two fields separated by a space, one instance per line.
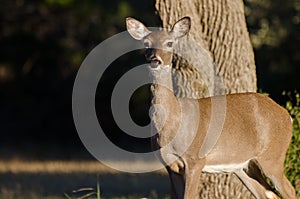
x=43 y=42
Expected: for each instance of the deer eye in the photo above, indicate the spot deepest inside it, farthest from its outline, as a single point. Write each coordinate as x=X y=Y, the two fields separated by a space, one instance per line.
x=170 y=44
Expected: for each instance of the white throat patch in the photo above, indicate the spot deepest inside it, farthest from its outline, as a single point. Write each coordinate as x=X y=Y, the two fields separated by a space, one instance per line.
x=166 y=68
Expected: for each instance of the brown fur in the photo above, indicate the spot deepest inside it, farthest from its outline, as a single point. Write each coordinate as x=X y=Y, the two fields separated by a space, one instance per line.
x=254 y=135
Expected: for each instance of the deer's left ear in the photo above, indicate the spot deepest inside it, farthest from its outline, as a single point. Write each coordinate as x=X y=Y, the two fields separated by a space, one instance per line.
x=181 y=27
x=136 y=29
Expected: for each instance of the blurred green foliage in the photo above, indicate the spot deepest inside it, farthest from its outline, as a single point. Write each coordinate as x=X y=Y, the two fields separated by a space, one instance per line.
x=292 y=163
x=43 y=44
x=275 y=35
x=59 y=2
x=46 y=41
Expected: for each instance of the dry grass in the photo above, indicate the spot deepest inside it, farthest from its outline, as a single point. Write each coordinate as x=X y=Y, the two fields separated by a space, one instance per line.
x=19 y=166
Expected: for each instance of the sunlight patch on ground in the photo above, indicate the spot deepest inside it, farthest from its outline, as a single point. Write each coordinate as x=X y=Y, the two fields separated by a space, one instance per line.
x=21 y=166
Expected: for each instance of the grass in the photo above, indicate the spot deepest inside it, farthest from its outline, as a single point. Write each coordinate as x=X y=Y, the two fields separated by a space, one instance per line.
x=87 y=192
x=51 y=179
x=59 y=166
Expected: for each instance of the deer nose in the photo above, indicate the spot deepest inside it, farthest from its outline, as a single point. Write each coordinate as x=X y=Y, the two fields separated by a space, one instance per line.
x=153 y=58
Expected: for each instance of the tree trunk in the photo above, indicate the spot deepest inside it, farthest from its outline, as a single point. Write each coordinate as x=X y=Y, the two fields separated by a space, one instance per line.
x=219 y=26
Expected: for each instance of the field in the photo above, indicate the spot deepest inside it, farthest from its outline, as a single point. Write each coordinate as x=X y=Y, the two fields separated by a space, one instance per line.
x=53 y=179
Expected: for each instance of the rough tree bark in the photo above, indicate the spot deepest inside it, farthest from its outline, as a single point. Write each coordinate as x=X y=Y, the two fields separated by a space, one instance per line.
x=219 y=26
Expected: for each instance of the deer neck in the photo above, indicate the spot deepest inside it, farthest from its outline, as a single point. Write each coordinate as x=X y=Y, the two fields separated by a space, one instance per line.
x=162 y=87
x=165 y=108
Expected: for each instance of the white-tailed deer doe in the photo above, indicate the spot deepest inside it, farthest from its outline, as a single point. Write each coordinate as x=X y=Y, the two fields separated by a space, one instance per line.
x=254 y=139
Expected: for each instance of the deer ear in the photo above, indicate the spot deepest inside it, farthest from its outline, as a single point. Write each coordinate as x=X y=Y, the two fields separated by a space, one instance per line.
x=136 y=29
x=181 y=27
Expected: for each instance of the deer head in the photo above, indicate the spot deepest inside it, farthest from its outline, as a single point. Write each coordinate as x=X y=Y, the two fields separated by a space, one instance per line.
x=159 y=44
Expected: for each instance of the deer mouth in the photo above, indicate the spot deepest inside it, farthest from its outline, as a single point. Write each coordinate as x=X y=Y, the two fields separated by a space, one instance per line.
x=155 y=63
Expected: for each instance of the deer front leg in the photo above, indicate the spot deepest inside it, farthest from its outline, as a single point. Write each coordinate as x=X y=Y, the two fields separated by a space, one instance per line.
x=177 y=184
x=192 y=180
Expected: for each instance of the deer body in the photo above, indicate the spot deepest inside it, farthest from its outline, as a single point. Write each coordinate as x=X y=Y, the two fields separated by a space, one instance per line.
x=255 y=133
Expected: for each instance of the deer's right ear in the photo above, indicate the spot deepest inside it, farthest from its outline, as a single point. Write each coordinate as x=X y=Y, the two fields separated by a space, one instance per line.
x=136 y=29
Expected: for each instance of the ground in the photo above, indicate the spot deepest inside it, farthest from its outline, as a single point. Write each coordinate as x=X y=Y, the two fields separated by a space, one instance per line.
x=21 y=179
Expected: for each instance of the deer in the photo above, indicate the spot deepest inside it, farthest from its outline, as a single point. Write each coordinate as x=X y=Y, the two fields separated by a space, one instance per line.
x=252 y=143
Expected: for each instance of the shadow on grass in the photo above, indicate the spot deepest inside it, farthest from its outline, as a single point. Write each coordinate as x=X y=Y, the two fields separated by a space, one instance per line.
x=52 y=185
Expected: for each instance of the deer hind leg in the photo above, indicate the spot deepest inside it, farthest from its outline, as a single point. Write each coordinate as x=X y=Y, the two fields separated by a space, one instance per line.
x=254 y=171
x=284 y=187
x=276 y=174
x=254 y=186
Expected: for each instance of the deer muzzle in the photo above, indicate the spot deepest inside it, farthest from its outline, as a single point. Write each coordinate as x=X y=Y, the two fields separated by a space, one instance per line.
x=154 y=59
